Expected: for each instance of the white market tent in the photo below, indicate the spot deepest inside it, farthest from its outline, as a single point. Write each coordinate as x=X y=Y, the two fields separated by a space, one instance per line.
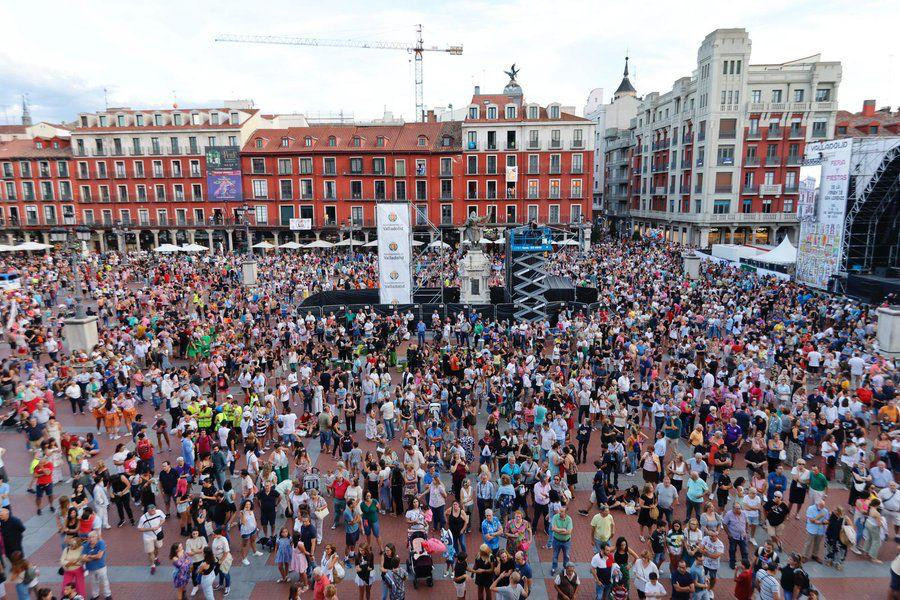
x=194 y=248
x=167 y=248
x=372 y=244
x=439 y=244
x=783 y=254
x=417 y=243
x=567 y=242
x=290 y=246
x=347 y=241
x=319 y=244
x=29 y=246
x=7 y=248
x=264 y=245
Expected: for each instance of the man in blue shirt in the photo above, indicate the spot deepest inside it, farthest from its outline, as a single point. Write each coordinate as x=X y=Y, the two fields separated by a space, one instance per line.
x=94 y=554
x=420 y=333
x=491 y=530
x=777 y=482
x=816 y=522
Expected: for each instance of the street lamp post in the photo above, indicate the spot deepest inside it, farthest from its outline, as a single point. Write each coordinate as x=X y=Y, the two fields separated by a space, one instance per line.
x=249 y=274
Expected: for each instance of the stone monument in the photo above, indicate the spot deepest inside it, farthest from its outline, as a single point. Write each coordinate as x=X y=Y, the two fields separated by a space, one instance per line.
x=80 y=333
x=475 y=268
x=249 y=272
x=691 y=265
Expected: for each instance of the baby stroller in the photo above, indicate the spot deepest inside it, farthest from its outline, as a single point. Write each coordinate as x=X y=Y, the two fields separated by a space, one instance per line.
x=422 y=565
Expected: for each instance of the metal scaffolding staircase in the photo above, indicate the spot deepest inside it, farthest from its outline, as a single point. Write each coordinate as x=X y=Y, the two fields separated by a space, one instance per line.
x=526 y=271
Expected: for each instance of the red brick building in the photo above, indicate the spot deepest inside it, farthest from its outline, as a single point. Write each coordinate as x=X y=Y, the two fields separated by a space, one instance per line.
x=333 y=175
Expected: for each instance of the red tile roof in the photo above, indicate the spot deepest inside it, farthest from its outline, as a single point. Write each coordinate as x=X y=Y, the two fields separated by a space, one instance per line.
x=859 y=124
x=15 y=149
x=397 y=138
x=12 y=129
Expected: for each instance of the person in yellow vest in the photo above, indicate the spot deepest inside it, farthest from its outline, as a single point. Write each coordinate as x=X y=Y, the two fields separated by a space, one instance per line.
x=205 y=416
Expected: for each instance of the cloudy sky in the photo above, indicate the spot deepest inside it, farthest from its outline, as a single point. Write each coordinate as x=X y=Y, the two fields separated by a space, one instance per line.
x=156 y=53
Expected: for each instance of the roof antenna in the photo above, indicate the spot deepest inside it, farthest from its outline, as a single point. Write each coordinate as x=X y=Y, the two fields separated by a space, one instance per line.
x=105 y=99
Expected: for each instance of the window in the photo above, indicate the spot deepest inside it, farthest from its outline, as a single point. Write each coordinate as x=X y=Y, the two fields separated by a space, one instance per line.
x=492 y=112
x=355 y=141
x=332 y=141
x=378 y=166
x=261 y=214
x=259 y=143
x=510 y=112
x=260 y=188
x=234 y=118
x=356 y=190
x=157 y=120
x=330 y=190
x=446 y=141
x=420 y=167
x=446 y=189
x=533 y=189
x=473 y=112
x=555 y=164
x=421 y=214
x=214 y=118
x=576 y=188
x=258 y=165
x=491 y=193
x=491 y=167
x=776 y=95
x=329 y=165
x=798 y=95
x=578 y=163
x=446 y=214
x=818 y=129
x=721 y=207
x=423 y=141
x=400 y=167
x=747 y=205
x=195 y=118
x=554 y=214
x=553 y=111
x=756 y=96
x=472 y=140
x=446 y=166
x=578 y=138
x=356 y=165
x=286 y=189
x=842 y=129
x=379 y=141
x=306 y=189
x=823 y=95
x=533 y=112
x=285 y=142
x=575 y=213
x=380 y=190
x=304 y=166
x=554 y=138
x=400 y=190
x=139 y=120
x=307 y=141
x=421 y=190
x=472 y=190
x=873 y=129
x=554 y=189
x=533 y=164
x=532 y=212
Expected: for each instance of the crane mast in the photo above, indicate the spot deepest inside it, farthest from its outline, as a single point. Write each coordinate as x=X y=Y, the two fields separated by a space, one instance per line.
x=418 y=48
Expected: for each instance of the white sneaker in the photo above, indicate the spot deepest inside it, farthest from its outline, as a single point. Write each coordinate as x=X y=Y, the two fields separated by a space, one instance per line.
x=194 y=591
x=227 y=591
x=258 y=553
x=245 y=562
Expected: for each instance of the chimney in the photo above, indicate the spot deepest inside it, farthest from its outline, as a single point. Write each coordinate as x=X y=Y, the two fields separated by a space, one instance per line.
x=429 y=117
x=868 y=108
x=477 y=90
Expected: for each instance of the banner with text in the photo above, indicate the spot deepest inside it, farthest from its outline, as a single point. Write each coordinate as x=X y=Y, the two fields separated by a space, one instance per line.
x=223 y=173
x=822 y=205
x=394 y=252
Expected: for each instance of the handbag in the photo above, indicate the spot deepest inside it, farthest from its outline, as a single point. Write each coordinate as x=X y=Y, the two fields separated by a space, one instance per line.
x=322 y=513
x=847 y=534
x=782 y=455
x=160 y=535
x=654 y=513
x=338 y=573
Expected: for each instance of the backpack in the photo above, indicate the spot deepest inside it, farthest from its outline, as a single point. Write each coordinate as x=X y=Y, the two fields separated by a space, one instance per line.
x=144 y=449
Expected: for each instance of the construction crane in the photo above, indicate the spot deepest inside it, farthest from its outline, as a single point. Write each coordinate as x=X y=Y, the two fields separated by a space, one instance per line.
x=418 y=49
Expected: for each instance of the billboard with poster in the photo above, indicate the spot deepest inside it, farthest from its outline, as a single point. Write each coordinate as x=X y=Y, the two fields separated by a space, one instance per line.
x=223 y=173
x=394 y=252
x=821 y=208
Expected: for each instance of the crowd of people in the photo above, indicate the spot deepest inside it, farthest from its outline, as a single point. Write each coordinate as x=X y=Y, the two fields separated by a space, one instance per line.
x=705 y=415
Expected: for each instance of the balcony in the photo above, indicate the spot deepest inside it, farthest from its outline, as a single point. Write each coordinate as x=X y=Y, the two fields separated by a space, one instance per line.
x=725 y=161
x=684 y=189
x=577 y=170
x=773 y=161
x=819 y=133
x=659 y=190
x=117 y=152
x=727 y=135
x=751 y=161
x=750 y=189
x=770 y=189
x=687 y=139
x=156 y=151
x=555 y=170
x=532 y=145
x=723 y=189
x=137 y=152
x=99 y=152
x=577 y=145
x=195 y=173
x=794 y=161
x=555 y=144
x=701 y=136
x=446 y=172
x=791 y=188
x=754 y=134
x=509 y=146
x=796 y=133
x=120 y=174
x=175 y=151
